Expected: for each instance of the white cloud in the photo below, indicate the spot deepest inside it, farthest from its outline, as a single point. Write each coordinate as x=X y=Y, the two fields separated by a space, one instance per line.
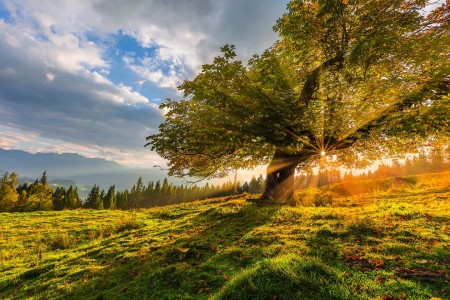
x=80 y=111
x=50 y=76
x=188 y=33
x=54 y=66
x=165 y=73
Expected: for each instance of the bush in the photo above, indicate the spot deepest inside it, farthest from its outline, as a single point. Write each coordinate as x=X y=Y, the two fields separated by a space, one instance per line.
x=61 y=241
x=323 y=199
x=130 y=224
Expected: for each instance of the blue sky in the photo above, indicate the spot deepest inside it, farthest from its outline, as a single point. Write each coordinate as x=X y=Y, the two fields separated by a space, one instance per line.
x=87 y=76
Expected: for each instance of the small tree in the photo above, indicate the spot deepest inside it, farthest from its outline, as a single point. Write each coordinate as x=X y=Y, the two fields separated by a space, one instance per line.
x=59 y=199
x=122 y=200
x=94 y=199
x=8 y=194
x=72 y=198
x=109 y=201
x=43 y=179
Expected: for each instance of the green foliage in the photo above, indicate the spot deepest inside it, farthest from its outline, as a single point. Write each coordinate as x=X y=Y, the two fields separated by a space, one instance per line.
x=323 y=198
x=130 y=224
x=94 y=199
x=61 y=241
x=8 y=194
x=72 y=199
x=59 y=198
x=109 y=201
x=355 y=80
x=39 y=196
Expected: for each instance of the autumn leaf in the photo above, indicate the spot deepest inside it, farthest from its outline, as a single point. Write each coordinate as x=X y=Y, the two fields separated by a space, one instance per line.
x=183 y=250
x=422 y=261
x=377 y=262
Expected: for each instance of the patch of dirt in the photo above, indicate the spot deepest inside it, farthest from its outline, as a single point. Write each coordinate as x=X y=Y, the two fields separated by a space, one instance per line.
x=421 y=274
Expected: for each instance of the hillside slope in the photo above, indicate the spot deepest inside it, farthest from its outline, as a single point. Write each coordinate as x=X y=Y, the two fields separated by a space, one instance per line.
x=392 y=244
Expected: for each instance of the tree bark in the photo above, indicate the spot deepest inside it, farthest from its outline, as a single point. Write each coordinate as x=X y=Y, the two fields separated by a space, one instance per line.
x=281 y=177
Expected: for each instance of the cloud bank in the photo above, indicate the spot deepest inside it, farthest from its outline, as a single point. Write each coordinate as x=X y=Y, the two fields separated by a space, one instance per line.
x=88 y=76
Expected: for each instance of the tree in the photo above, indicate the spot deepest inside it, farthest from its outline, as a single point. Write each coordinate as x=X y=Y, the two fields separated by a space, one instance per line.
x=157 y=193
x=8 y=194
x=109 y=200
x=254 y=186
x=72 y=198
x=348 y=79
x=122 y=200
x=43 y=179
x=94 y=199
x=39 y=195
x=136 y=195
x=165 y=192
x=59 y=199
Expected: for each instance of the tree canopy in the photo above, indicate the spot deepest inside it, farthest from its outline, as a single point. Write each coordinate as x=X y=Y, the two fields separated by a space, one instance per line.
x=348 y=79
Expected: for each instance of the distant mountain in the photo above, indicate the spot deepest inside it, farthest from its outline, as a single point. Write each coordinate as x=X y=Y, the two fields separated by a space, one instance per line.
x=83 y=190
x=73 y=169
x=124 y=179
x=63 y=182
x=58 y=165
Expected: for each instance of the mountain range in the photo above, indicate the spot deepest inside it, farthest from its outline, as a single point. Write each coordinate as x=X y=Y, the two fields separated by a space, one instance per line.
x=70 y=169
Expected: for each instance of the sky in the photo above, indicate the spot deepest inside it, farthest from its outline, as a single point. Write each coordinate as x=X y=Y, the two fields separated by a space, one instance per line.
x=88 y=76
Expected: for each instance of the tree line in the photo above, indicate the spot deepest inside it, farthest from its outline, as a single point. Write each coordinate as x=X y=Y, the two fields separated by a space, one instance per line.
x=436 y=161
x=40 y=195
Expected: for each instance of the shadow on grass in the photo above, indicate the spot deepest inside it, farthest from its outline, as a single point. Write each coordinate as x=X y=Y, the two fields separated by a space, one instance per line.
x=181 y=258
x=211 y=250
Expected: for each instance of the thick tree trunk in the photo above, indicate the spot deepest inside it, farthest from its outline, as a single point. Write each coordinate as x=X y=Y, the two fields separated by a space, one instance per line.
x=281 y=177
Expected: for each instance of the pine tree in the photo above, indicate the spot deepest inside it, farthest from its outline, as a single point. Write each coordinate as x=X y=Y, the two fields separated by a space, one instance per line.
x=165 y=191
x=122 y=200
x=43 y=179
x=253 y=186
x=94 y=199
x=157 y=194
x=59 y=199
x=109 y=200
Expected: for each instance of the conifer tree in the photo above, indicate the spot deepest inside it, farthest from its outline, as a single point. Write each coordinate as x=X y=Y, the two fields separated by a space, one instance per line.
x=109 y=201
x=94 y=199
x=59 y=199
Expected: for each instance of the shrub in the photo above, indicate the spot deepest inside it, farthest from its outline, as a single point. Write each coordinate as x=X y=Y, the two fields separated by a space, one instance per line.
x=323 y=199
x=130 y=224
x=61 y=241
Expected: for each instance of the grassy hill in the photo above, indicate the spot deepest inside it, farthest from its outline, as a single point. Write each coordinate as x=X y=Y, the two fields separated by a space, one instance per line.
x=387 y=242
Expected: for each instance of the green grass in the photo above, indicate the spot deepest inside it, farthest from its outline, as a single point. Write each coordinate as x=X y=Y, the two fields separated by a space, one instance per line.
x=389 y=242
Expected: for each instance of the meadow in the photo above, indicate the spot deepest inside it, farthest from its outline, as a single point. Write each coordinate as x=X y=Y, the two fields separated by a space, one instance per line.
x=390 y=240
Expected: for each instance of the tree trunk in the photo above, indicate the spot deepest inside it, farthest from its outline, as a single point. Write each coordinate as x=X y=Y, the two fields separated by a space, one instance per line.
x=281 y=177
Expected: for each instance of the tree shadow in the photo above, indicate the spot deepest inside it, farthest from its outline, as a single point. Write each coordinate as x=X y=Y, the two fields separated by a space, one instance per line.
x=185 y=252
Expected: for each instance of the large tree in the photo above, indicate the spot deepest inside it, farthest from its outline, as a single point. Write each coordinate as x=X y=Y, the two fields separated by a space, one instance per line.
x=346 y=79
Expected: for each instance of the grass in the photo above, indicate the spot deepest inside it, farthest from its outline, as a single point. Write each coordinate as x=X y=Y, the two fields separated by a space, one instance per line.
x=389 y=243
